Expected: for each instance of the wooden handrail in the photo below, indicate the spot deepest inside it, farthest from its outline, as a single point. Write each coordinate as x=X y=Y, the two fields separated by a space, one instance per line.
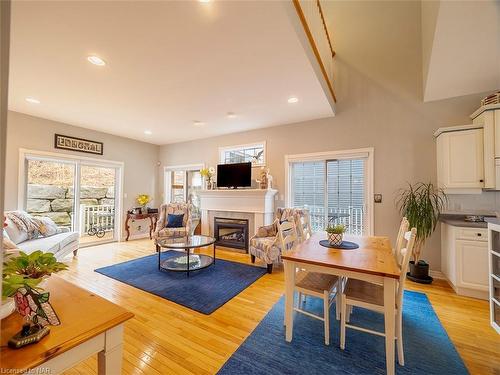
x=326 y=29
x=310 y=37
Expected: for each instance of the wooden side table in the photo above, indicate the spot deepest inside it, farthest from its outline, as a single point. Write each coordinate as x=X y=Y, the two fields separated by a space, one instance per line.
x=153 y=219
x=89 y=324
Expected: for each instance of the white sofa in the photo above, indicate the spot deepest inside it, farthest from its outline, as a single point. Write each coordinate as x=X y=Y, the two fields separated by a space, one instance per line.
x=61 y=243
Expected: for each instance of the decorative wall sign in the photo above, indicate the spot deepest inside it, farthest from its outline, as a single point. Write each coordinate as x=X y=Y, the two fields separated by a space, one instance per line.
x=78 y=144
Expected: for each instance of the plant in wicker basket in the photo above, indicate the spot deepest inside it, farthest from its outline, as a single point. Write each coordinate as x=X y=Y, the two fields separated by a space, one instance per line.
x=335 y=234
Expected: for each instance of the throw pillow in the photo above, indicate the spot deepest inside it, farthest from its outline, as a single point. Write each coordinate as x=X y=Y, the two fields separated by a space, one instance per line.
x=50 y=228
x=175 y=221
x=15 y=235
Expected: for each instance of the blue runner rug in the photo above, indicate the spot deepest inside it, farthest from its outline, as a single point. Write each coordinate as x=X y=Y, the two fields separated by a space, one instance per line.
x=427 y=347
x=204 y=291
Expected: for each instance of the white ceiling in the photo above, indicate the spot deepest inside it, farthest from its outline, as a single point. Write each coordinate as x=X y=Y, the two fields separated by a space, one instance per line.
x=461 y=48
x=168 y=64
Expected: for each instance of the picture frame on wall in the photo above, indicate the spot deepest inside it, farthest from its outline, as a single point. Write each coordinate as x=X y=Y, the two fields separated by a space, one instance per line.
x=65 y=142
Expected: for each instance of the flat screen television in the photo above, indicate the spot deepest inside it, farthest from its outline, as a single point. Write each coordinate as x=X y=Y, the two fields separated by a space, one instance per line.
x=234 y=175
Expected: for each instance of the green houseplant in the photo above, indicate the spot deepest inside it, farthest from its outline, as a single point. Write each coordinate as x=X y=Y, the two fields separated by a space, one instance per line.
x=421 y=203
x=29 y=271
x=335 y=234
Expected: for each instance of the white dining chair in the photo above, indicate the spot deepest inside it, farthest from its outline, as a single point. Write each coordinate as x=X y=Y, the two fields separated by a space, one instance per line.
x=403 y=228
x=371 y=296
x=313 y=284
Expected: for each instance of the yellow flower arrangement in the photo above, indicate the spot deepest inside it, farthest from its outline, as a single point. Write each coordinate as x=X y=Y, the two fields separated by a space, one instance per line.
x=143 y=199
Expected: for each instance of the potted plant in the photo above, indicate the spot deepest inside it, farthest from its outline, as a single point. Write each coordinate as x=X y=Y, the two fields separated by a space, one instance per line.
x=422 y=204
x=23 y=276
x=143 y=200
x=335 y=234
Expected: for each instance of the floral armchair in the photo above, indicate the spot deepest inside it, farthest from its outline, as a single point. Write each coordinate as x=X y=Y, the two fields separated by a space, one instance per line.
x=265 y=244
x=162 y=231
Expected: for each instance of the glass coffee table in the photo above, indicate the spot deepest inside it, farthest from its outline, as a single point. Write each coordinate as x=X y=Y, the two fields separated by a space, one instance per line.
x=186 y=261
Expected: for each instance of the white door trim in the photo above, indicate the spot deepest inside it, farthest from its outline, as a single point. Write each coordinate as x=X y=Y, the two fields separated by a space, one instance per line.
x=77 y=161
x=367 y=152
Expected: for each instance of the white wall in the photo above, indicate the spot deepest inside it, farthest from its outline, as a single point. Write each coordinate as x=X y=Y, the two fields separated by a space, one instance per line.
x=140 y=159
x=379 y=91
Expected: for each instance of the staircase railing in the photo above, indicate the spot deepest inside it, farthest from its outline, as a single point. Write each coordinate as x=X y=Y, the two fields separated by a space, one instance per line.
x=313 y=21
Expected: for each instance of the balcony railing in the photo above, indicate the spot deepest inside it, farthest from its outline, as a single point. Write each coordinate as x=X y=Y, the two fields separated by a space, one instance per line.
x=96 y=216
x=351 y=217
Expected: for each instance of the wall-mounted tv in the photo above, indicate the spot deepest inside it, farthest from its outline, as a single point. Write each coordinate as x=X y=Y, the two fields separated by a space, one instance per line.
x=234 y=175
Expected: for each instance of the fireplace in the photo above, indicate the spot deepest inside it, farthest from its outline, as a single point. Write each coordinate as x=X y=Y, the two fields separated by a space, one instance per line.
x=231 y=233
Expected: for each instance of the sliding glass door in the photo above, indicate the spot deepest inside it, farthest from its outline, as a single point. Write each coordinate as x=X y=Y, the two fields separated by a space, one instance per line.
x=334 y=190
x=76 y=194
x=97 y=204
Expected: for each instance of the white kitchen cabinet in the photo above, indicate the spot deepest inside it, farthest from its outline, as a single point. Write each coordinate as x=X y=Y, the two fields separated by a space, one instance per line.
x=460 y=159
x=490 y=121
x=473 y=259
x=464 y=259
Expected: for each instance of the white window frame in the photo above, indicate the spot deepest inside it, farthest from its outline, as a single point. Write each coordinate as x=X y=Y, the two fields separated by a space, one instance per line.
x=224 y=149
x=167 y=177
x=78 y=161
x=367 y=153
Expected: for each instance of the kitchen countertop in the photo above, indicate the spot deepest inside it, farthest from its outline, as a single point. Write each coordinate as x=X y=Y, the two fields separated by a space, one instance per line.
x=457 y=220
x=492 y=220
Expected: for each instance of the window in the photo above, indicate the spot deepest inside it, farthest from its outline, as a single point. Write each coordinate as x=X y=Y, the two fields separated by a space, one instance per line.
x=254 y=153
x=334 y=190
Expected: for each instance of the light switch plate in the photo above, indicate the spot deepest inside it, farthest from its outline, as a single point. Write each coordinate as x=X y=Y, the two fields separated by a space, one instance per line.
x=377 y=198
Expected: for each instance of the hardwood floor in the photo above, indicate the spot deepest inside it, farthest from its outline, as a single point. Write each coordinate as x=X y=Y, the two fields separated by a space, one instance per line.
x=166 y=338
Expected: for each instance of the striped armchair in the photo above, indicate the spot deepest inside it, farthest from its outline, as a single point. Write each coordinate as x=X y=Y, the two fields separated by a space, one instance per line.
x=162 y=231
x=265 y=243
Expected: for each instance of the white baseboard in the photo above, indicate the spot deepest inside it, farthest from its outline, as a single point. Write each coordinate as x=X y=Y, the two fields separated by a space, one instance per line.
x=437 y=275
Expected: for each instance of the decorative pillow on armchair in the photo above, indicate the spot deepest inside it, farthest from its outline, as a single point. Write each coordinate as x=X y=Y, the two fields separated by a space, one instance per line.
x=175 y=221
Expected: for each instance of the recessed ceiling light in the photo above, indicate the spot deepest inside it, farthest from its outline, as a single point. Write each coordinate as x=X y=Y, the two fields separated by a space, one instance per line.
x=204 y=1
x=148 y=132
x=198 y=123
x=231 y=115
x=32 y=100
x=293 y=99
x=96 y=60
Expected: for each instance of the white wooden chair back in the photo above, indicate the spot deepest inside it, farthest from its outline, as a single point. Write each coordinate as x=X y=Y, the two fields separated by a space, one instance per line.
x=403 y=228
x=405 y=253
x=287 y=233
x=305 y=225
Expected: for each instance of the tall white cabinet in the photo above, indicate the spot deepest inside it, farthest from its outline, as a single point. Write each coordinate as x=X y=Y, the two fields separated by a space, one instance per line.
x=494 y=272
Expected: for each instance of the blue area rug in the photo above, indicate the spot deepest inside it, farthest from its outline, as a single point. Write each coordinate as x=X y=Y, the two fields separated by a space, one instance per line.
x=428 y=350
x=204 y=291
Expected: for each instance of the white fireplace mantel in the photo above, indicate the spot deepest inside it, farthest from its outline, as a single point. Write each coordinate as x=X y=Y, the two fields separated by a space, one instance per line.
x=258 y=202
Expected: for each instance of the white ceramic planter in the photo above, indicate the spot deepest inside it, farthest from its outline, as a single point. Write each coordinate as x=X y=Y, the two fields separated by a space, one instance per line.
x=335 y=239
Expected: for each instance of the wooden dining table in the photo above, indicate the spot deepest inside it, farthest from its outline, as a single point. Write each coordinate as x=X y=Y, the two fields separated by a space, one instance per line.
x=372 y=261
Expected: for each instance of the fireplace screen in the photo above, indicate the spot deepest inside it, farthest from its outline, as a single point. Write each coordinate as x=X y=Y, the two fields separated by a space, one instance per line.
x=231 y=232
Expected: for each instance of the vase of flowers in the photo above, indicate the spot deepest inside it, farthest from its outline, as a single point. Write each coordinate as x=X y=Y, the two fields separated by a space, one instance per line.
x=143 y=200
x=335 y=234
x=208 y=174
